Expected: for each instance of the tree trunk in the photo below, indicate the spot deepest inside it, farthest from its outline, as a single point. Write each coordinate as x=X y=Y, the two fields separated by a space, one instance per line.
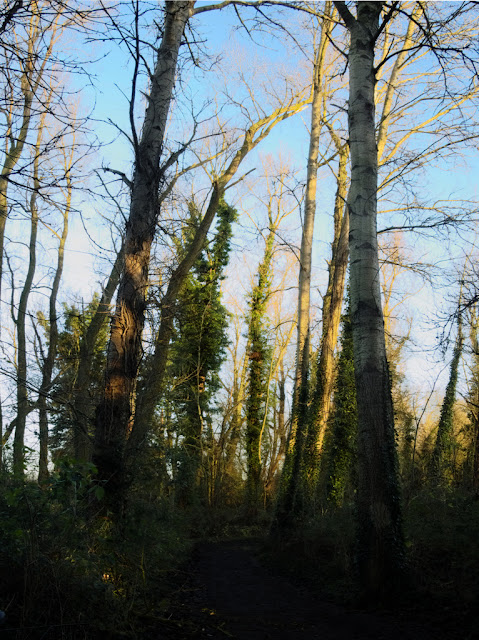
x=22 y=388
x=331 y=318
x=82 y=400
x=47 y=369
x=114 y=413
x=442 y=446
x=291 y=498
x=380 y=539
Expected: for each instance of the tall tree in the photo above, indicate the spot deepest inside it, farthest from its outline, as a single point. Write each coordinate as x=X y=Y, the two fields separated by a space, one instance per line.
x=442 y=445
x=289 y=502
x=257 y=368
x=380 y=538
x=20 y=320
x=52 y=339
x=473 y=398
x=198 y=350
x=115 y=413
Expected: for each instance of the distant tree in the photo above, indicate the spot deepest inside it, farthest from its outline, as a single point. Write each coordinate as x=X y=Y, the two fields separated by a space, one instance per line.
x=340 y=442
x=199 y=348
x=445 y=430
x=63 y=404
x=292 y=484
x=257 y=378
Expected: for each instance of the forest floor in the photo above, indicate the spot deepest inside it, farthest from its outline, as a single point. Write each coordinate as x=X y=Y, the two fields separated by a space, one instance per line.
x=227 y=591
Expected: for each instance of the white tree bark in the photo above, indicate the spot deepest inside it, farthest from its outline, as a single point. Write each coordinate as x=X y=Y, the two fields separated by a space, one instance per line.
x=379 y=520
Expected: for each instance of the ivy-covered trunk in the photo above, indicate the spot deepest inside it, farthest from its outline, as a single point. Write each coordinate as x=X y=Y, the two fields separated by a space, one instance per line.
x=197 y=354
x=442 y=446
x=340 y=441
x=258 y=360
x=291 y=499
x=331 y=316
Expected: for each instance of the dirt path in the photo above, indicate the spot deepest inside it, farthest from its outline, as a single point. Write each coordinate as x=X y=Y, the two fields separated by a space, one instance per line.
x=229 y=593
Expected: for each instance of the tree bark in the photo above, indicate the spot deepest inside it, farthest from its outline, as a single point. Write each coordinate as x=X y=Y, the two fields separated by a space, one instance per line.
x=22 y=388
x=82 y=400
x=380 y=538
x=47 y=369
x=331 y=318
x=114 y=413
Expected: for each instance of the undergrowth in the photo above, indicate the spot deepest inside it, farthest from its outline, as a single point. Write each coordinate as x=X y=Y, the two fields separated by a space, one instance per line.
x=441 y=530
x=65 y=574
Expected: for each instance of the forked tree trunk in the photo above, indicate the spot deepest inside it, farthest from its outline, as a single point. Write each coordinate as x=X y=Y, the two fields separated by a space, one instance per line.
x=114 y=413
x=380 y=539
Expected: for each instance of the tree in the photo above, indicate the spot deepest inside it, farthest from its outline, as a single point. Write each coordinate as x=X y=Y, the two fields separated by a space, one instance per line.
x=301 y=388
x=473 y=398
x=198 y=349
x=114 y=418
x=114 y=413
x=68 y=410
x=380 y=538
x=52 y=339
x=340 y=442
x=259 y=355
x=442 y=445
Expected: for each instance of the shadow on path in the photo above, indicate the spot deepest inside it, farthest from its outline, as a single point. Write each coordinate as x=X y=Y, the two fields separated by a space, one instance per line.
x=229 y=593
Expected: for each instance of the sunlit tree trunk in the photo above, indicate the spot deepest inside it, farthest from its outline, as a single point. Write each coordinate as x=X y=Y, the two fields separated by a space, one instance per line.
x=291 y=499
x=331 y=317
x=114 y=413
x=380 y=539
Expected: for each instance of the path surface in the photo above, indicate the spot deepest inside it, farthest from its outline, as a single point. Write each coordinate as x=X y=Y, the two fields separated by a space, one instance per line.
x=228 y=593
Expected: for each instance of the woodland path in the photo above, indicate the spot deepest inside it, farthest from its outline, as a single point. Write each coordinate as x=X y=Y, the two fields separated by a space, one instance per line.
x=228 y=592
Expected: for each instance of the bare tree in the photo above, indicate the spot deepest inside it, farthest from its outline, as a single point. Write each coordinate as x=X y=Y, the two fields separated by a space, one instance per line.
x=381 y=546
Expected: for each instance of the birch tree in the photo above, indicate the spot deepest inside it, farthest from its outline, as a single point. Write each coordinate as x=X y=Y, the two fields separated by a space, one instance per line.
x=380 y=538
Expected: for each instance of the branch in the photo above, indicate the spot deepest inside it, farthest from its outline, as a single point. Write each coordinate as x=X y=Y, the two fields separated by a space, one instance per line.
x=345 y=13
x=226 y=3
x=124 y=178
